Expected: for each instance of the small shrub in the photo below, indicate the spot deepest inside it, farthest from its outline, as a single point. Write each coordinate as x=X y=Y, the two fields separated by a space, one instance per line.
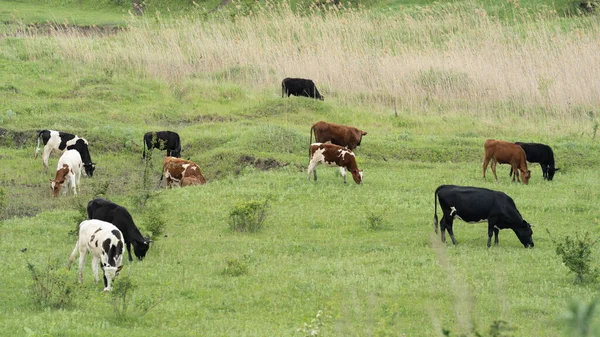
x=123 y=287
x=576 y=254
x=235 y=267
x=374 y=222
x=498 y=328
x=156 y=225
x=79 y=217
x=2 y=202
x=248 y=216
x=51 y=286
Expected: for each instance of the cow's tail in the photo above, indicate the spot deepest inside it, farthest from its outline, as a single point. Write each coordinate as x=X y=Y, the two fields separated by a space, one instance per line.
x=144 y=147
x=283 y=89
x=39 y=137
x=435 y=217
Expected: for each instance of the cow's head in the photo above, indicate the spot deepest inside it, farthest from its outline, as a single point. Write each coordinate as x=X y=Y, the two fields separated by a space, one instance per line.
x=141 y=247
x=525 y=175
x=361 y=133
x=357 y=175
x=524 y=233
x=56 y=186
x=176 y=153
x=110 y=273
x=551 y=171
x=89 y=169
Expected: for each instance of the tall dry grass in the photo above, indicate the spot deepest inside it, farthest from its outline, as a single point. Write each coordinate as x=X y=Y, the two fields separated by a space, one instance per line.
x=442 y=58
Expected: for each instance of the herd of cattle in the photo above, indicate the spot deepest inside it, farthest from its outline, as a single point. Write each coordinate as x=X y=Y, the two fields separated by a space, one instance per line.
x=110 y=227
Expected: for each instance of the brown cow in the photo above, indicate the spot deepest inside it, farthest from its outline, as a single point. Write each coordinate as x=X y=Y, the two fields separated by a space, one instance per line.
x=502 y=152
x=181 y=172
x=341 y=135
x=334 y=155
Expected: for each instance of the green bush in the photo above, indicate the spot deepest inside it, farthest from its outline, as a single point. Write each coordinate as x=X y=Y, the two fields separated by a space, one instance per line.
x=235 y=267
x=51 y=286
x=248 y=216
x=156 y=225
x=576 y=254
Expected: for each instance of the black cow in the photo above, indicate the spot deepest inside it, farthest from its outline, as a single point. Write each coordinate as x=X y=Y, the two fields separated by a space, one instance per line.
x=163 y=140
x=540 y=153
x=474 y=204
x=300 y=87
x=61 y=141
x=108 y=211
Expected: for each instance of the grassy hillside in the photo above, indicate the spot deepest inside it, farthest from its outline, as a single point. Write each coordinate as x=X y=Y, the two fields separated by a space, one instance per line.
x=429 y=86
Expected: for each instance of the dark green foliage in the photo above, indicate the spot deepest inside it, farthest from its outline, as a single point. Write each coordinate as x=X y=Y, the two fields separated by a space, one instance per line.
x=51 y=286
x=248 y=216
x=576 y=254
x=374 y=221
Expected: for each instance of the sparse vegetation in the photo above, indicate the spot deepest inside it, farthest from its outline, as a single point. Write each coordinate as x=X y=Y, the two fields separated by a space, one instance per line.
x=51 y=285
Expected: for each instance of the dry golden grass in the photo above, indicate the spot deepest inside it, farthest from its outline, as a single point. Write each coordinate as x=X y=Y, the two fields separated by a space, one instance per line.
x=444 y=59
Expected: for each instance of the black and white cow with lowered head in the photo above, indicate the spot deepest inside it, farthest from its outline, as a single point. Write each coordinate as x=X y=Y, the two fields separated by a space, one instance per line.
x=107 y=210
x=61 y=141
x=474 y=204
x=105 y=242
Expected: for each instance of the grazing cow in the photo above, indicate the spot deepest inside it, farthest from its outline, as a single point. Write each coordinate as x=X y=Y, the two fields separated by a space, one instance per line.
x=347 y=136
x=502 y=152
x=69 y=170
x=163 y=140
x=540 y=153
x=61 y=141
x=105 y=242
x=334 y=155
x=474 y=204
x=181 y=172
x=107 y=210
x=300 y=87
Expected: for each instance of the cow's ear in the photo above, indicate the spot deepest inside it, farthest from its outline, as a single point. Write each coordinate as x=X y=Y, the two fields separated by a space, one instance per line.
x=556 y=169
x=51 y=180
x=364 y=133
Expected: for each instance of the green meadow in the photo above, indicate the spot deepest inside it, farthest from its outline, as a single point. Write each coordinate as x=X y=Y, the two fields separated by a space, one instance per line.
x=428 y=81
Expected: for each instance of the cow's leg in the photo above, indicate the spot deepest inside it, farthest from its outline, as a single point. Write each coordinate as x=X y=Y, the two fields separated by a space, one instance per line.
x=95 y=263
x=492 y=230
x=486 y=161
x=82 y=253
x=129 y=251
x=493 y=167
x=496 y=231
x=545 y=171
x=73 y=183
x=46 y=156
x=450 y=231
x=343 y=172
x=312 y=168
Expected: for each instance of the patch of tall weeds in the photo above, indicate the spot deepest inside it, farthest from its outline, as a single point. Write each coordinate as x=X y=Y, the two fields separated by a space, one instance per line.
x=576 y=254
x=51 y=285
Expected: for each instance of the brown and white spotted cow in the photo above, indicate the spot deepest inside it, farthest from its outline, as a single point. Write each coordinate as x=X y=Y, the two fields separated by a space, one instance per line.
x=69 y=170
x=181 y=172
x=105 y=242
x=334 y=155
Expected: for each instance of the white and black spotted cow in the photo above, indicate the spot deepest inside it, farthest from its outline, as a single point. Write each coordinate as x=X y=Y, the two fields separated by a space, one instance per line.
x=105 y=242
x=474 y=204
x=61 y=141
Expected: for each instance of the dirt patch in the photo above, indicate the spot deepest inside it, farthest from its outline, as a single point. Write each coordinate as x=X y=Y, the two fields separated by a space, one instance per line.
x=12 y=138
x=262 y=164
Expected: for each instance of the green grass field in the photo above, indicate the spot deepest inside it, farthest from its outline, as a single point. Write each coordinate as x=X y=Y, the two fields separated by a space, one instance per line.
x=332 y=259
